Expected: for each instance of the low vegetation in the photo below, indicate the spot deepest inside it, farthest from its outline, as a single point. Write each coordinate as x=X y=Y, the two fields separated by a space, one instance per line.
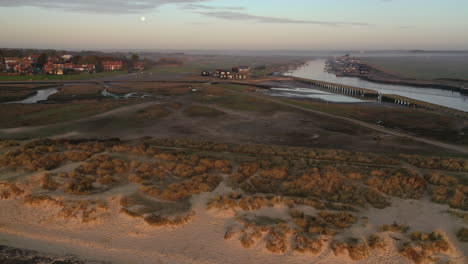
x=78 y=92
x=424 y=247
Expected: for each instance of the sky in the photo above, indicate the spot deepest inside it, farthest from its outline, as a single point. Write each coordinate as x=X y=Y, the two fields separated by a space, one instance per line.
x=239 y=25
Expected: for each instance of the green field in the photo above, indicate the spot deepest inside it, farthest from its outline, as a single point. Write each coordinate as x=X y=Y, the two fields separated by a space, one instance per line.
x=423 y=67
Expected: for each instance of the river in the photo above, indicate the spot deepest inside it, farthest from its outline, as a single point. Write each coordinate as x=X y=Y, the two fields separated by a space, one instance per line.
x=41 y=95
x=315 y=70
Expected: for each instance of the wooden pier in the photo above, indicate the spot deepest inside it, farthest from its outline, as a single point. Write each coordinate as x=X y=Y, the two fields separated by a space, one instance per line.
x=340 y=88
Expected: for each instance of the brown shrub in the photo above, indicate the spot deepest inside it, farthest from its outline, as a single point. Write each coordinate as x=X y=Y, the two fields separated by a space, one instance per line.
x=396 y=228
x=304 y=243
x=47 y=182
x=340 y=220
x=376 y=242
x=276 y=242
x=424 y=246
x=462 y=235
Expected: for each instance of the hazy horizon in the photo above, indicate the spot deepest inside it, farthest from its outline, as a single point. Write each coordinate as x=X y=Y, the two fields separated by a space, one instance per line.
x=241 y=25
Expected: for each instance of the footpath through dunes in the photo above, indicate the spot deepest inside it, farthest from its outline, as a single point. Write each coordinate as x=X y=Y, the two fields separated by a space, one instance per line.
x=436 y=143
x=187 y=201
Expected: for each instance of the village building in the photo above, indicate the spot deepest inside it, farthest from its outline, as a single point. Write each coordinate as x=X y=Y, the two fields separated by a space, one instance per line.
x=222 y=74
x=53 y=59
x=33 y=58
x=112 y=65
x=67 y=57
x=206 y=73
x=238 y=72
x=139 y=66
x=12 y=60
x=243 y=69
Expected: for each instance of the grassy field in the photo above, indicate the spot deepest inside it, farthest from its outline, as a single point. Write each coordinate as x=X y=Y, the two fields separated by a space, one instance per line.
x=416 y=121
x=44 y=114
x=78 y=92
x=196 y=64
x=426 y=68
x=83 y=76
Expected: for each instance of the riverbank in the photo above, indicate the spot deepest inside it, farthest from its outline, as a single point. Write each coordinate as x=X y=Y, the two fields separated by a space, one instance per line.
x=373 y=77
x=315 y=70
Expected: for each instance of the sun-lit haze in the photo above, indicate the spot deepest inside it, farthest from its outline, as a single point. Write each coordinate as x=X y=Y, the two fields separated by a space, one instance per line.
x=243 y=24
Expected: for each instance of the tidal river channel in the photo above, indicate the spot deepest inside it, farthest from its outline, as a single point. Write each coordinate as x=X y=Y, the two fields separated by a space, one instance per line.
x=315 y=70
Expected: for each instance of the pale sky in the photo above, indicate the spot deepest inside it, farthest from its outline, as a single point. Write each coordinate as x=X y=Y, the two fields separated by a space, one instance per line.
x=240 y=24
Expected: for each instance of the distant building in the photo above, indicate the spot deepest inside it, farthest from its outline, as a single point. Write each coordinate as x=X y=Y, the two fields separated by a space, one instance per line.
x=206 y=73
x=243 y=69
x=11 y=60
x=53 y=59
x=240 y=72
x=364 y=69
x=49 y=68
x=112 y=65
x=90 y=67
x=139 y=66
x=33 y=58
x=222 y=74
x=67 y=57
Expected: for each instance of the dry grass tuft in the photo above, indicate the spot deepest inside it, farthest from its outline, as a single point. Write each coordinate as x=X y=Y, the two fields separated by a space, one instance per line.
x=424 y=247
x=396 y=228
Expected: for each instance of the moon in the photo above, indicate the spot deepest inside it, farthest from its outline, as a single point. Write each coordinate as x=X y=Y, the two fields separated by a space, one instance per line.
x=143 y=19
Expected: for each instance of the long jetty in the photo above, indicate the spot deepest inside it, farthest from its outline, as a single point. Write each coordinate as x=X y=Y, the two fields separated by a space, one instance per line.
x=413 y=103
x=388 y=98
x=340 y=88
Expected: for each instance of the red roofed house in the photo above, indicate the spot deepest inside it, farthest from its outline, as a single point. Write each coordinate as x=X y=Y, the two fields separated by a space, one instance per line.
x=89 y=67
x=49 y=68
x=54 y=59
x=12 y=60
x=33 y=58
x=112 y=65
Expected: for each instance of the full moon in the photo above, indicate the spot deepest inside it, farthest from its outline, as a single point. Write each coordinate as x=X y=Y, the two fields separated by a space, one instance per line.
x=143 y=19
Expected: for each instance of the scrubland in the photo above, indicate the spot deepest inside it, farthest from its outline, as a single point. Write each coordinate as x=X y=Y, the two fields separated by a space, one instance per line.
x=319 y=197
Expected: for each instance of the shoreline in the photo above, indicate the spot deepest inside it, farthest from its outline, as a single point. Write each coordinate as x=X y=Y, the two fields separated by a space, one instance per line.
x=412 y=84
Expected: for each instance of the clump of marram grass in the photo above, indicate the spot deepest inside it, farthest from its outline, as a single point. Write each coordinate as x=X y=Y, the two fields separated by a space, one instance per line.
x=307 y=243
x=156 y=213
x=326 y=223
x=357 y=249
x=376 y=242
x=10 y=191
x=396 y=228
x=401 y=183
x=326 y=183
x=437 y=163
x=462 y=234
x=449 y=190
x=424 y=247
x=274 y=231
x=47 y=182
x=83 y=211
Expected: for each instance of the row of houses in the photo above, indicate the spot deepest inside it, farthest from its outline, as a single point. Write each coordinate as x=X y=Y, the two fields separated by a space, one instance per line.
x=58 y=65
x=238 y=72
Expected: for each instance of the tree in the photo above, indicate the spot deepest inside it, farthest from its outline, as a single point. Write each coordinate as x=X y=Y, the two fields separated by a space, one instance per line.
x=148 y=64
x=135 y=57
x=76 y=59
x=42 y=60
x=99 y=66
x=2 y=61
